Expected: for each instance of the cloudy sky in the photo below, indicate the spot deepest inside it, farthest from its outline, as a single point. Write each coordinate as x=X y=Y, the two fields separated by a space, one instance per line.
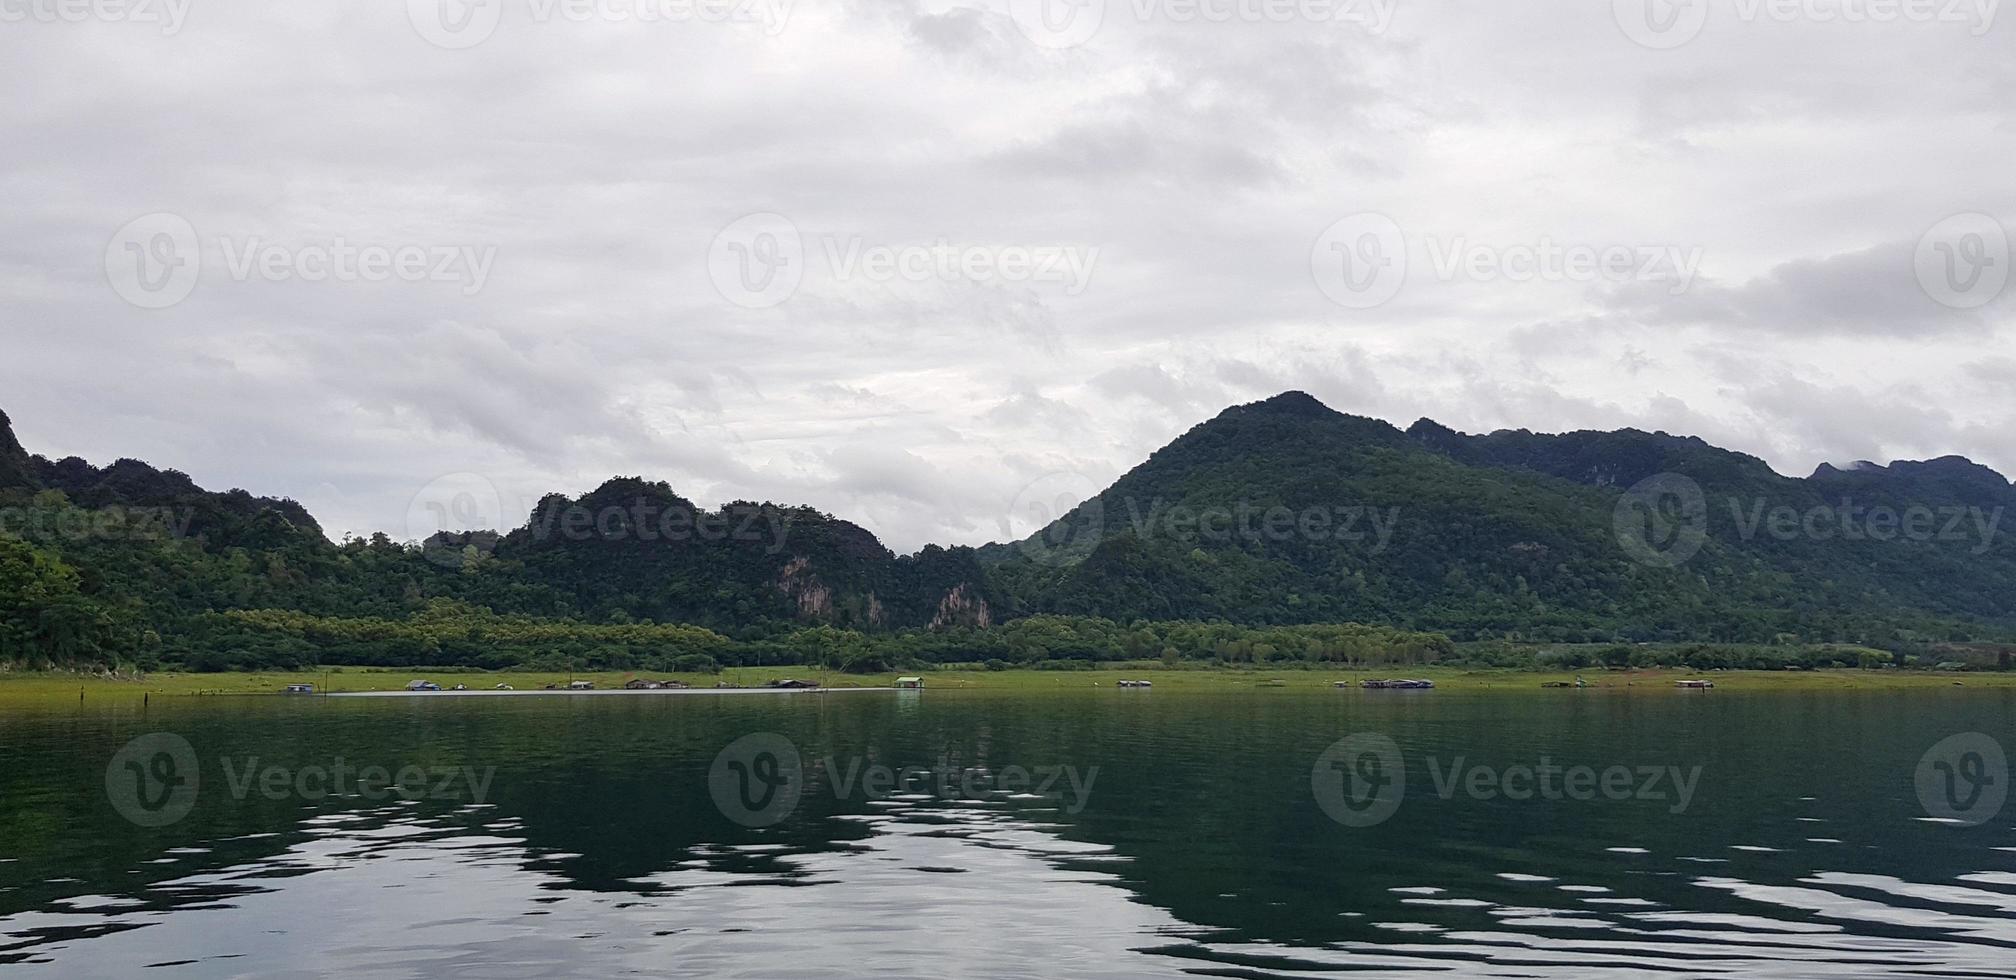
x=904 y=261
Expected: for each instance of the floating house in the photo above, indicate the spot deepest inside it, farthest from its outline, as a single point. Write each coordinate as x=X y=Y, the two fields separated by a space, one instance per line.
x=910 y=683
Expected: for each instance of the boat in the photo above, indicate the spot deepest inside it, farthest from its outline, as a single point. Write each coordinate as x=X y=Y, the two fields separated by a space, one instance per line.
x=1695 y=685
x=1137 y=684
x=1400 y=684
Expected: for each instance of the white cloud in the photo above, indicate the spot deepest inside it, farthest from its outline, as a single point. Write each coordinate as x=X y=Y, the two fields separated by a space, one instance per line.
x=601 y=159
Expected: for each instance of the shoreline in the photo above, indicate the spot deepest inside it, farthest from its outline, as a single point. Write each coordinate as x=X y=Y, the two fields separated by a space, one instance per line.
x=59 y=689
x=591 y=693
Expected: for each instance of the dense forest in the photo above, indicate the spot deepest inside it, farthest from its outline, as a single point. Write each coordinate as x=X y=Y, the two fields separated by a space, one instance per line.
x=1277 y=533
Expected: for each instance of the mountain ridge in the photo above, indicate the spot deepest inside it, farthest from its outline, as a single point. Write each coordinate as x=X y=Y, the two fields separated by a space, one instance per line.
x=1280 y=512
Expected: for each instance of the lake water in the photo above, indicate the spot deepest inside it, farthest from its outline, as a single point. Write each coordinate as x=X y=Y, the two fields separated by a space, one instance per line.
x=1073 y=834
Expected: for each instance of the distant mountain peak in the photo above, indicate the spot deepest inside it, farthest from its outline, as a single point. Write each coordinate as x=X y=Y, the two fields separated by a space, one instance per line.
x=1296 y=403
x=16 y=469
x=1950 y=468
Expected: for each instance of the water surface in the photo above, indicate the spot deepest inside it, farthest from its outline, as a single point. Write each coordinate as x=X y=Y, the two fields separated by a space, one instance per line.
x=1192 y=841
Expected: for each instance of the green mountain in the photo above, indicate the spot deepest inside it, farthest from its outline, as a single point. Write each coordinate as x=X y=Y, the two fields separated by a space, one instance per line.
x=1260 y=528
x=1285 y=511
x=104 y=564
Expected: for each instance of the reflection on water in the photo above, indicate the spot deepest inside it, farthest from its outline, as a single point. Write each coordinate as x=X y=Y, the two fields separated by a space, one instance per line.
x=1198 y=850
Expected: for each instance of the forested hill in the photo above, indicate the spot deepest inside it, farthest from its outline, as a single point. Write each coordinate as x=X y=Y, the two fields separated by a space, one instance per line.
x=131 y=562
x=1587 y=535
x=1279 y=513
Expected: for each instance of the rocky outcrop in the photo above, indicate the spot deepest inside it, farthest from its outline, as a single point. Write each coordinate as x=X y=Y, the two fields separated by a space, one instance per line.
x=963 y=606
x=812 y=597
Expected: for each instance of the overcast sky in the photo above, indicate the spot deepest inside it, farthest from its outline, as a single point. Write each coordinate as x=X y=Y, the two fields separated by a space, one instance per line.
x=905 y=261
